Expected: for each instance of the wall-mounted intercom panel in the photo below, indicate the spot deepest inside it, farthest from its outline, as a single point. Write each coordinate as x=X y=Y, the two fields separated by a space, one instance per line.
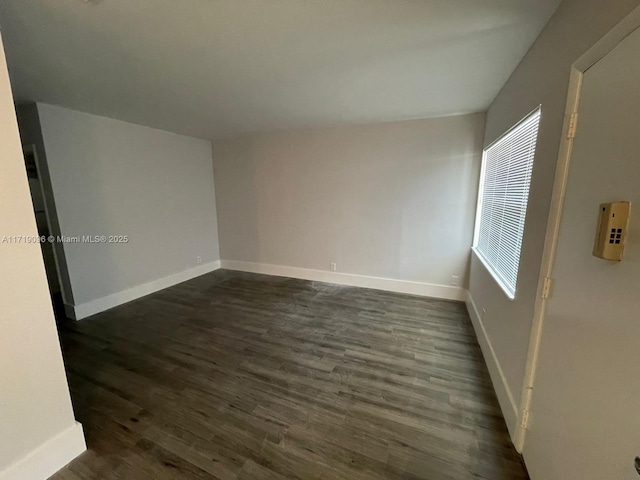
x=612 y=230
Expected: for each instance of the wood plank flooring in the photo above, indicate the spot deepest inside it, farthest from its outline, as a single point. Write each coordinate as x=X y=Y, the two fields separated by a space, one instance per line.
x=236 y=376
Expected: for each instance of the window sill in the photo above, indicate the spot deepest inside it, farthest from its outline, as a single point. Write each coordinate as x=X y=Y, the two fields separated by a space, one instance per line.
x=489 y=269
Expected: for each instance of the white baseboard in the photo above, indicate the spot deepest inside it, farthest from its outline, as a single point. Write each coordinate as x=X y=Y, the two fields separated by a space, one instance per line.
x=48 y=458
x=84 y=310
x=378 y=283
x=500 y=385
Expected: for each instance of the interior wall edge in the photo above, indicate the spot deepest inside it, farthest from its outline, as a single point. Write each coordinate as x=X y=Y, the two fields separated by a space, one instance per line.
x=49 y=457
x=84 y=310
x=445 y=292
x=498 y=379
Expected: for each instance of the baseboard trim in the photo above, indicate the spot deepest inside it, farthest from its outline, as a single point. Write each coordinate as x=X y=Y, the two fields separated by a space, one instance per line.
x=84 y=310
x=378 y=283
x=500 y=385
x=48 y=458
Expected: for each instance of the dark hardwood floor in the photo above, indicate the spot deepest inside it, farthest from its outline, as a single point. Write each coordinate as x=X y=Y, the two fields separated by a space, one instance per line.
x=242 y=376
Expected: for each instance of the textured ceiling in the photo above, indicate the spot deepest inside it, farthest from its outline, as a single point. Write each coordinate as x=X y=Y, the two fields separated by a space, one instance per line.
x=215 y=68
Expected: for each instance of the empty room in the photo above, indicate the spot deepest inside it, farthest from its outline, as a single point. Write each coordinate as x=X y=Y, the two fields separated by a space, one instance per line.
x=319 y=239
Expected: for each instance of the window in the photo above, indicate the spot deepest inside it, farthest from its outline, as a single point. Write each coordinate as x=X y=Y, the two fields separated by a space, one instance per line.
x=502 y=201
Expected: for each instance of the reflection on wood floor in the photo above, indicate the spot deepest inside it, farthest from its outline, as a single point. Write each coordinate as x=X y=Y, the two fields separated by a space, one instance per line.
x=243 y=376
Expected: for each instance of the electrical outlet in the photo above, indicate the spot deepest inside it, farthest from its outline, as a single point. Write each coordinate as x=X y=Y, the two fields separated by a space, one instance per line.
x=455 y=280
x=198 y=260
x=333 y=267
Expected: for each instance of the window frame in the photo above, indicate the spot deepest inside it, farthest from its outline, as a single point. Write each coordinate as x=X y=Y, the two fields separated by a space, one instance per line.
x=497 y=276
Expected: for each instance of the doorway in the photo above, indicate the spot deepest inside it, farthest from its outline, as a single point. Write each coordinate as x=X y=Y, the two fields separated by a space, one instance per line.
x=44 y=226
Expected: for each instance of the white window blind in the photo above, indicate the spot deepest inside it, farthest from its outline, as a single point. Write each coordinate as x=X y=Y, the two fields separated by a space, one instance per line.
x=502 y=201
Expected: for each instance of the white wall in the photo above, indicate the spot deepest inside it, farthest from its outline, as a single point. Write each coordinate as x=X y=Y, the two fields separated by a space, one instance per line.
x=114 y=178
x=394 y=200
x=541 y=78
x=38 y=433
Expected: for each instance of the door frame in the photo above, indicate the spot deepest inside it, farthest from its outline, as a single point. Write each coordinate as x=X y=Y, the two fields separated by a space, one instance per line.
x=571 y=120
x=31 y=149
